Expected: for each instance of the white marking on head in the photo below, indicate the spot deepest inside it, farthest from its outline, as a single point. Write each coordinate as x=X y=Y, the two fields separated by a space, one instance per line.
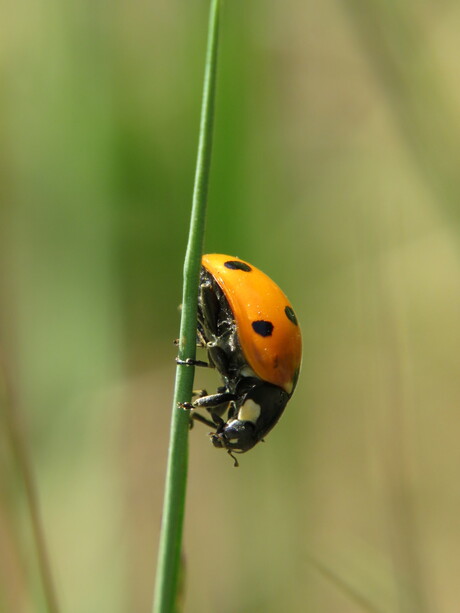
x=250 y=411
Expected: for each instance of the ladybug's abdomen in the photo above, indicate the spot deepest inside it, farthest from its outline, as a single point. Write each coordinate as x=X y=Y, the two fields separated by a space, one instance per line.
x=267 y=327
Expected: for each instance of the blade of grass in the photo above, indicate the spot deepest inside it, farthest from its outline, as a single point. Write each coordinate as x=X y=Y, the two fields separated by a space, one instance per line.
x=362 y=601
x=15 y=435
x=168 y=566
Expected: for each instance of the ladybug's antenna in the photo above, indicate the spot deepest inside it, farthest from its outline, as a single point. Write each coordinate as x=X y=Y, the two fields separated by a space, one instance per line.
x=236 y=464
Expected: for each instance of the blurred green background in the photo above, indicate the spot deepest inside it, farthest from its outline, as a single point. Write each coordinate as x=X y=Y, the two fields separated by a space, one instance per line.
x=336 y=172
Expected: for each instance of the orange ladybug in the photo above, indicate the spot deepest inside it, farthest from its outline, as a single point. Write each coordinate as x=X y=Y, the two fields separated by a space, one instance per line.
x=252 y=337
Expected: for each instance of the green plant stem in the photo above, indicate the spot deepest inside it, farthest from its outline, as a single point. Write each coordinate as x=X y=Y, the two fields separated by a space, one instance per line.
x=168 y=567
x=15 y=434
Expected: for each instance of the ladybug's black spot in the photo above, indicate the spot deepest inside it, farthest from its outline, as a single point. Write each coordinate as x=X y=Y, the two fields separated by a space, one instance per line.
x=291 y=315
x=264 y=328
x=236 y=265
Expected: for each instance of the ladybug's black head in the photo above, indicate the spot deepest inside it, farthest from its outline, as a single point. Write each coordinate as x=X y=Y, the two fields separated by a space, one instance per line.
x=257 y=411
x=236 y=435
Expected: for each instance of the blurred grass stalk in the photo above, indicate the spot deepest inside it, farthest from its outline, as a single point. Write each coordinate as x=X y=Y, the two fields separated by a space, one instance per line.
x=398 y=49
x=344 y=586
x=15 y=435
x=59 y=315
x=169 y=553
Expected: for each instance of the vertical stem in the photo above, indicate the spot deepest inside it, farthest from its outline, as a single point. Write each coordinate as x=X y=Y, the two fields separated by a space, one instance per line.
x=168 y=568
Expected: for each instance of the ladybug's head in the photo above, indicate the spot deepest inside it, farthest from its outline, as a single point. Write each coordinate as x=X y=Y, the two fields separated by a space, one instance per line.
x=256 y=412
x=236 y=435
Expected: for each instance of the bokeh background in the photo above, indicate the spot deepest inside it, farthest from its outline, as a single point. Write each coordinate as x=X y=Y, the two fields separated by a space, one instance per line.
x=337 y=147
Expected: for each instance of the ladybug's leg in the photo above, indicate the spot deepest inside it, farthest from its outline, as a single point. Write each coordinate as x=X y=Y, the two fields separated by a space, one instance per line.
x=218 y=358
x=200 y=340
x=214 y=403
x=214 y=324
x=202 y=419
x=188 y=406
x=192 y=362
x=208 y=310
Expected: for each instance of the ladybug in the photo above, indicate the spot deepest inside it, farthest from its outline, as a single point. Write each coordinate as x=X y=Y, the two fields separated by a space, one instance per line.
x=252 y=337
